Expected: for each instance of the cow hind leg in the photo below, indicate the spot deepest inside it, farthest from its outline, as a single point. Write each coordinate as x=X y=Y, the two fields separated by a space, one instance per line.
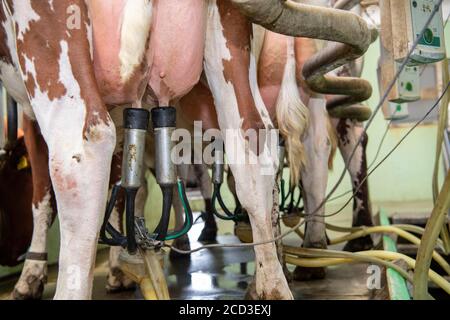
x=34 y=273
x=349 y=132
x=209 y=232
x=314 y=177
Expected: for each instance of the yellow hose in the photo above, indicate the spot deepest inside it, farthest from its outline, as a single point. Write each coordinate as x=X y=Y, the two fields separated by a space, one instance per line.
x=432 y=230
x=324 y=253
x=391 y=229
x=441 y=131
x=359 y=256
x=406 y=227
x=386 y=229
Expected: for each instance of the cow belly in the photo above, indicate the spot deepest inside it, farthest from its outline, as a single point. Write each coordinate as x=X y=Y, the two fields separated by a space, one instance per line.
x=120 y=32
x=175 y=54
x=13 y=83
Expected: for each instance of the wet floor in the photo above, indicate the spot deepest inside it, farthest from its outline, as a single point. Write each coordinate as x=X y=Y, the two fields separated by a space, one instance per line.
x=221 y=273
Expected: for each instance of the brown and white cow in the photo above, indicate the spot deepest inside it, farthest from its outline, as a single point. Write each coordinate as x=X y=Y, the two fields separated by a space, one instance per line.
x=70 y=62
x=72 y=72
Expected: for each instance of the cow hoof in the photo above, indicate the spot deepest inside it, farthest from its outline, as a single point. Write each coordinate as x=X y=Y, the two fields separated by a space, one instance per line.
x=31 y=282
x=117 y=281
x=307 y=274
x=251 y=294
x=208 y=234
x=182 y=244
x=360 y=244
x=287 y=274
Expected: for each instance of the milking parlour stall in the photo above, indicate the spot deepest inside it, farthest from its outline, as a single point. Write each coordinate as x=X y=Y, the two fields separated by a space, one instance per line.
x=223 y=153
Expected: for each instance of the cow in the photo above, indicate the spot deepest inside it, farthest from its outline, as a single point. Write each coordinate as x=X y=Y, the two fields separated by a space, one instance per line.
x=16 y=191
x=71 y=63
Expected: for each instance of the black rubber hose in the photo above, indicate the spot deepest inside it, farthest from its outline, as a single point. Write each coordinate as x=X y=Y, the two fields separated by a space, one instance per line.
x=131 y=235
x=117 y=238
x=163 y=225
x=282 y=195
x=222 y=203
x=216 y=195
x=189 y=218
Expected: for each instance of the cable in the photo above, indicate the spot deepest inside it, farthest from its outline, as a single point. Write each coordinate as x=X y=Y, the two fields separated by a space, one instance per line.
x=387 y=127
x=347 y=164
x=378 y=107
x=392 y=150
x=374 y=159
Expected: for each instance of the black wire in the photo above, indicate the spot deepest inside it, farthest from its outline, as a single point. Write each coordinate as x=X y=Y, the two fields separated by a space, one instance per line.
x=380 y=145
x=391 y=151
x=376 y=110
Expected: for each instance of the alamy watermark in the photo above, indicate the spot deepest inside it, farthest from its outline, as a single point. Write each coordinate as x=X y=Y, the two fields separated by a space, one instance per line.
x=249 y=147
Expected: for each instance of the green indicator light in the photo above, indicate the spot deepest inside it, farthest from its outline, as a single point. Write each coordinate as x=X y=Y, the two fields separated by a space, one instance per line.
x=409 y=86
x=399 y=108
x=428 y=36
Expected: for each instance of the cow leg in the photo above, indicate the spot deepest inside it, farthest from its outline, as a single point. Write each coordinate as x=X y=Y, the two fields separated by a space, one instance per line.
x=209 y=232
x=231 y=72
x=57 y=67
x=314 y=177
x=349 y=132
x=34 y=272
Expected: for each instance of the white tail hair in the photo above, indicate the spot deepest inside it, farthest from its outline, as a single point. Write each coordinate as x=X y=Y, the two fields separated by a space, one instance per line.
x=292 y=115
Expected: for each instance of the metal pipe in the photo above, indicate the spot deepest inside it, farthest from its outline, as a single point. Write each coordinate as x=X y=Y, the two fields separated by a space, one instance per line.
x=164 y=122
x=135 y=123
x=346 y=4
x=350 y=34
x=218 y=165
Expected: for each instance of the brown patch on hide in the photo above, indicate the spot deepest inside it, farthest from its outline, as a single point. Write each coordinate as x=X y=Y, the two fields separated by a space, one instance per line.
x=238 y=32
x=41 y=44
x=5 y=53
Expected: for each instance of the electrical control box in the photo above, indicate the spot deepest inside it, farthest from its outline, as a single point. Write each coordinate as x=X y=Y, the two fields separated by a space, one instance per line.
x=431 y=47
x=408 y=18
x=407 y=85
x=396 y=111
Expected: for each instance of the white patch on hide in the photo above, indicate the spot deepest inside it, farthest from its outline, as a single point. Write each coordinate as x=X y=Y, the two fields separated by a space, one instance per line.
x=42 y=216
x=23 y=15
x=137 y=19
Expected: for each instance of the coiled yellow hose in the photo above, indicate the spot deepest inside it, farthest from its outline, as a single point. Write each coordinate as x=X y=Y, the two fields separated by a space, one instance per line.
x=364 y=231
x=323 y=258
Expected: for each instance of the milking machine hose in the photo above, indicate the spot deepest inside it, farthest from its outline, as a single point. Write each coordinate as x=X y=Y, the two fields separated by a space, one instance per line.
x=284 y=197
x=188 y=212
x=117 y=238
x=283 y=194
x=129 y=216
x=323 y=258
x=365 y=231
x=218 y=196
x=161 y=229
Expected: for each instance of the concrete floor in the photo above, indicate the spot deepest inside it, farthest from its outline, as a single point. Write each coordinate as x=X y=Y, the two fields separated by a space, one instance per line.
x=221 y=274
x=225 y=273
